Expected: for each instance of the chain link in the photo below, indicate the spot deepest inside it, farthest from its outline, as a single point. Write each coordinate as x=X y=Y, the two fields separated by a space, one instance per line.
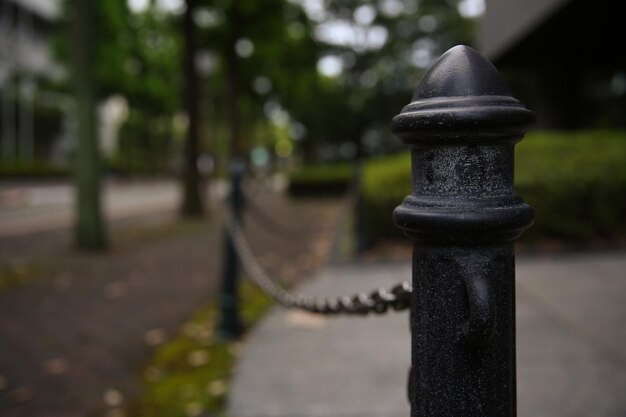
x=380 y=301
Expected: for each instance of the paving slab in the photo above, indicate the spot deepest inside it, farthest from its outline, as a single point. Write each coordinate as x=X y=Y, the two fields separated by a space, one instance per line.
x=297 y=364
x=571 y=315
x=571 y=346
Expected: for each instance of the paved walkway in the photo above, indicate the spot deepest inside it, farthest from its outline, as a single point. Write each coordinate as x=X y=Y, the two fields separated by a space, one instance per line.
x=571 y=311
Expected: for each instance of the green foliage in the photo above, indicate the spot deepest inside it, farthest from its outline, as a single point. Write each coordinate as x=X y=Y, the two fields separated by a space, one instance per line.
x=386 y=181
x=320 y=179
x=144 y=146
x=137 y=56
x=374 y=82
x=576 y=181
x=282 y=58
x=376 y=79
x=151 y=68
x=191 y=373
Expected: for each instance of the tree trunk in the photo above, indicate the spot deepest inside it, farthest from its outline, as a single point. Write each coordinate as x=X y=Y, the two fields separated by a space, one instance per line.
x=89 y=228
x=236 y=146
x=192 y=195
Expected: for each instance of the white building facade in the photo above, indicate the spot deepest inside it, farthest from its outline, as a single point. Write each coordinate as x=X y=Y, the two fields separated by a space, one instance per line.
x=25 y=60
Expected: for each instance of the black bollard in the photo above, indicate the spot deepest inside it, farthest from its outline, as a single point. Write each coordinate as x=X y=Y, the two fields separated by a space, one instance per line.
x=463 y=214
x=229 y=323
x=359 y=208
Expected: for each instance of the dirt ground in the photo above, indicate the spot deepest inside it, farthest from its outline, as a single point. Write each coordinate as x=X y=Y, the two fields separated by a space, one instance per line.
x=77 y=330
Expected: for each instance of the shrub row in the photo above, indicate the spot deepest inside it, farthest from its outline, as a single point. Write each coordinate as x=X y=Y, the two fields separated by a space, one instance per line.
x=576 y=181
x=41 y=169
x=38 y=169
x=316 y=180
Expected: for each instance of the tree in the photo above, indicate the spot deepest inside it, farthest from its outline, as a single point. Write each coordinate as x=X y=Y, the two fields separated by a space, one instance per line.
x=89 y=226
x=135 y=55
x=260 y=59
x=192 y=196
x=381 y=47
x=382 y=52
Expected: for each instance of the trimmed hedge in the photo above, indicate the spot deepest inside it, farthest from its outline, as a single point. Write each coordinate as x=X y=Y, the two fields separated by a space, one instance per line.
x=317 y=180
x=386 y=181
x=576 y=181
x=34 y=170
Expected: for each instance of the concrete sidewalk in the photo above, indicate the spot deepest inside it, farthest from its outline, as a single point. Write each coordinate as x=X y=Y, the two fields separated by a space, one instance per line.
x=571 y=311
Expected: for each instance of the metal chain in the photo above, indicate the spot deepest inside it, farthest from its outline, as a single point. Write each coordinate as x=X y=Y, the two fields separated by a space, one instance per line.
x=380 y=301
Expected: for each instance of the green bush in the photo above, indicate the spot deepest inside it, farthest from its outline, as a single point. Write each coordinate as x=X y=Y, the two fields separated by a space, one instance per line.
x=329 y=179
x=386 y=181
x=37 y=169
x=576 y=181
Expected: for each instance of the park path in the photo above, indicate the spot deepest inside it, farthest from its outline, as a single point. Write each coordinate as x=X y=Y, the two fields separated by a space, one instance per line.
x=73 y=341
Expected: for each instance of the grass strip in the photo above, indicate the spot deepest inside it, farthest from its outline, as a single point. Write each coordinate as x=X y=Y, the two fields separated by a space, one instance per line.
x=190 y=374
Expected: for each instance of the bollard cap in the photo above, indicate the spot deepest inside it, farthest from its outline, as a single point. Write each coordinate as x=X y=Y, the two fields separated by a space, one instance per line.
x=462 y=99
x=461 y=102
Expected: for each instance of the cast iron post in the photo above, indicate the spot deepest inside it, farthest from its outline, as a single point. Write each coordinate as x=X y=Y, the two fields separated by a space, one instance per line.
x=229 y=325
x=463 y=214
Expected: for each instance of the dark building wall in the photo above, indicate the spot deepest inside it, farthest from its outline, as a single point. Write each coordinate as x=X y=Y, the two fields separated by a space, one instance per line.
x=570 y=66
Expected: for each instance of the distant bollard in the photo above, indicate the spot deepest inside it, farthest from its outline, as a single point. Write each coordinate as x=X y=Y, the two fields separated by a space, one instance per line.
x=360 y=236
x=463 y=214
x=229 y=322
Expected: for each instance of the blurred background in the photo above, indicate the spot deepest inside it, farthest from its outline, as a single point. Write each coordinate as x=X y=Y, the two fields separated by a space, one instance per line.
x=119 y=124
x=179 y=90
